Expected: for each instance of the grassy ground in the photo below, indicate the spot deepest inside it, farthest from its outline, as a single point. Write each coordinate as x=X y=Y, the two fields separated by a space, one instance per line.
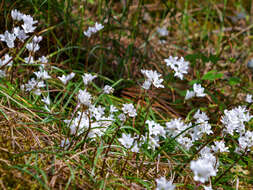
x=213 y=36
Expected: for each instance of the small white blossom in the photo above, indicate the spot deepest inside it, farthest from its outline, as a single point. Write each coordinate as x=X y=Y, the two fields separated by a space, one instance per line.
x=234 y=120
x=64 y=79
x=163 y=184
x=28 y=24
x=34 y=86
x=179 y=65
x=42 y=74
x=84 y=97
x=113 y=109
x=199 y=91
x=162 y=31
x=219 y=147
x=16 y=15
x=129 y=109
x=93 y=30
x=126 y=140
x=202 y=170
x=9 y=38
x=87 y=78
x=122 y=117
x=7 y=61
x=108 y=89
x=208 y=187
x=246 y=140
x=20 y=34
x=152 y=77
x=30 y=60
x=189 y=94
x=43 y=59
x=46 y=100
x=248 y=98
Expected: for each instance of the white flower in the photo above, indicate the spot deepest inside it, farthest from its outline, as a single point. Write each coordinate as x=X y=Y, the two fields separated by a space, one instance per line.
x=199 y=91
x=37 y=39
x=7 y=59
x=20 y=34
x=219 y=147
x=234 y=120
x=113 y=109
x=249 y=98
x=34 y=86
x=152 y=77
x=202 y=169
x=9 y=38
x=32 y=47
x=208 y=187
x=201 y=115
x=175 y=126
x=43 y=59
x=186 y=142
x=42 y=74
x=88 y=33
x=122 y=117
x=98 y=26
x=155 y=129
x=189 y=94
x=246 y=140
x=162 y=31
x=135 y=148
x=163 y=184
x=87 y=78
x=93 y=30
x=28 y=24
x=129 y=109
x=179 y=65
x=126 y=140
x=46 y=100
x=108 y=89
x=16 y=15
x=64 y=79
x=84 y=97
x=30 y=60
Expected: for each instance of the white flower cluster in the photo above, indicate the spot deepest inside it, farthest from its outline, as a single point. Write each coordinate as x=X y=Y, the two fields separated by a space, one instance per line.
x=201 y=126
x=84 y=96
x=35 y=85
x=234 y=121
x=177 y=126
x=93 y=30
x=198 y=91
x=153 y=134
x=189 y=133
x=94 y=117
x=179 y=65
x=152 y=77
x=129 y=142
x=163 y=184
x=129 y=110
x=27 y=27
